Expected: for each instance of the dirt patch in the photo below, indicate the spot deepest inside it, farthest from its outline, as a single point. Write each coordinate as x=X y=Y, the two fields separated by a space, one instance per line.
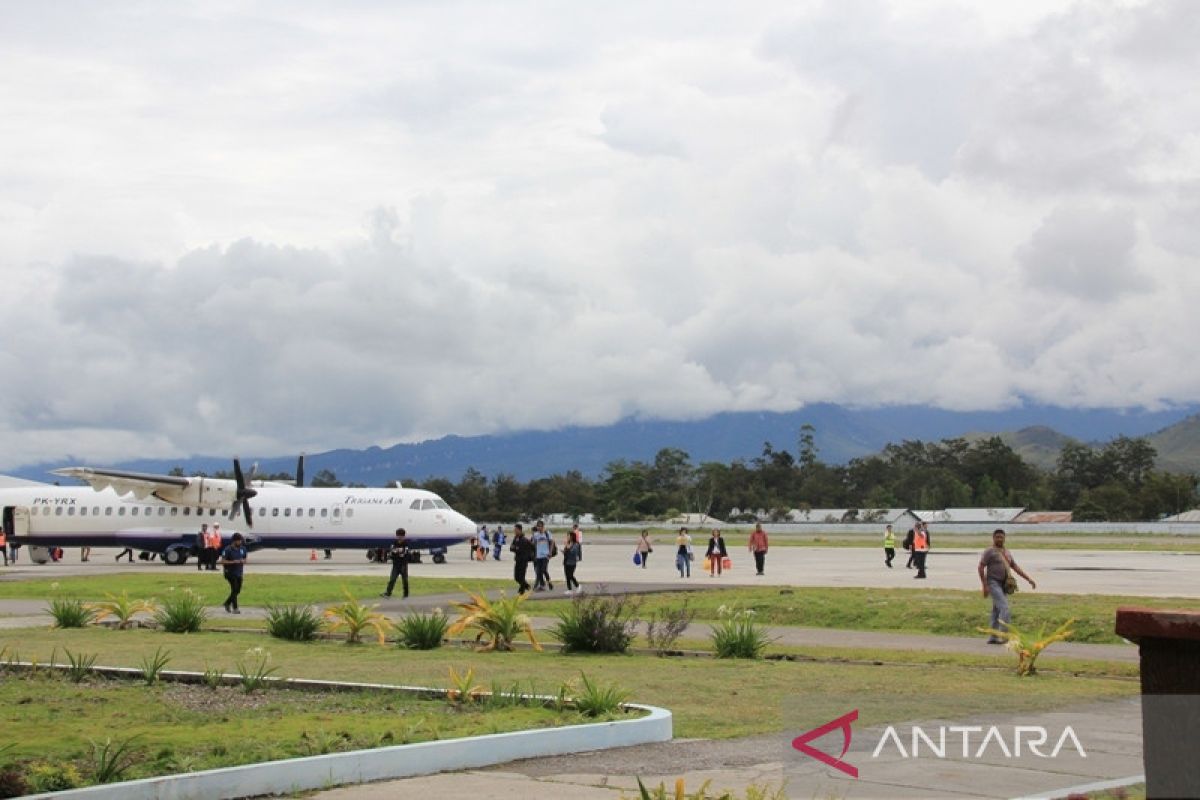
x=206 y=699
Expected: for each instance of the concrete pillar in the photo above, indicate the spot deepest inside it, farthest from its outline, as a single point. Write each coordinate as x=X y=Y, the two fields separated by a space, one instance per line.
x=1169 y=644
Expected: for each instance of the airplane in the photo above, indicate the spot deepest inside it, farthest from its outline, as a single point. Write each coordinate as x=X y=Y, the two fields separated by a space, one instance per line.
x=162 y=514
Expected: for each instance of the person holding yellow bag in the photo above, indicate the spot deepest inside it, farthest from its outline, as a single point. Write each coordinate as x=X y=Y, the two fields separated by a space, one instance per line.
x=683 y=553
x=715 y=554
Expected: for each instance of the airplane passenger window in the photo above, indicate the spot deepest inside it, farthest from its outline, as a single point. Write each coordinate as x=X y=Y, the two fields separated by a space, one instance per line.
x=71 y=511
x=287 y=512
x=108 y=511
x=415 y=504
x=45 y=511
x=121 y=511
x=95 y=511
x=312 y=512
x=83 y=511
x=299 y=512
x=349 y=512
x=187 y=511
x=274 y=512
x=337 y=512
x=58 y=511
x=162 y=510
x=324 y=512
x=174 y=511
x=133 y=512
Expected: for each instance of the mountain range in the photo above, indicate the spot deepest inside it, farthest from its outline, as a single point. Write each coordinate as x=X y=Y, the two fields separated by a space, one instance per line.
x=841 y=433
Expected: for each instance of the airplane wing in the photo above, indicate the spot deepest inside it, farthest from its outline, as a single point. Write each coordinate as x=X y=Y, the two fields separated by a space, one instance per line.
x=10 y=482
x=203 y=492
x=140 y=484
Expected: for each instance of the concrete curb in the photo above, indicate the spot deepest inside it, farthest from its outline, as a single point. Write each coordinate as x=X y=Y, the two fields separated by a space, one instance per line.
x=384 y=763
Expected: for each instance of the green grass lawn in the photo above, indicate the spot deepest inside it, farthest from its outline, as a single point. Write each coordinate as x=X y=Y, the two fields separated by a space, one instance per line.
x=945 y=612
x=176 y=727
x=260 y=589
x=709 y=697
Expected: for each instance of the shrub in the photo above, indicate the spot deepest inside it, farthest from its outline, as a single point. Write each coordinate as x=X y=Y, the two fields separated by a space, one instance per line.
x=422 y=631
x=79 y=666
x=295 y=623
x=737 y=635
x=666 y=625
x=1028 y=645
x=70 y=612
x=12 y=783
x=462 y=686
x=111 y=760
x=46 y=777
x=213 y=676
x=182 y=612
x=356 y=618
x=597 y=624
x=152 y=666
x=253 y=670
x=594 y=700
x=122 y=608
x=498 y=623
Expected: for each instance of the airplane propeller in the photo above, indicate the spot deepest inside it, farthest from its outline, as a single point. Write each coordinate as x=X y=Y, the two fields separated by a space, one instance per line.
x=300 y=471
x=244 y=493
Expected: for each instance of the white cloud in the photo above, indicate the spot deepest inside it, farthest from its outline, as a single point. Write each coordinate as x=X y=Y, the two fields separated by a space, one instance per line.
x=282 y=227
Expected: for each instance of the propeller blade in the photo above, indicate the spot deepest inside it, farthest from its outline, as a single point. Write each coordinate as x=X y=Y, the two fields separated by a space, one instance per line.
x=247 y=513
x=300 y=471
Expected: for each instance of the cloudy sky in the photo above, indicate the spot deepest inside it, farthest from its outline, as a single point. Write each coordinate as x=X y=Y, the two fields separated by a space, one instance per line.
x=260 y=228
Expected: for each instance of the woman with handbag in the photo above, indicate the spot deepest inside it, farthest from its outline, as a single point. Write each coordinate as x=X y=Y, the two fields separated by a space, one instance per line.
x=644 y=547
x=716 y=553
x=996 y=568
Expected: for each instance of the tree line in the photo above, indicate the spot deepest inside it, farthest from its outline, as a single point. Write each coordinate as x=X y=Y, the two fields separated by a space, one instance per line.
x=1114 y=482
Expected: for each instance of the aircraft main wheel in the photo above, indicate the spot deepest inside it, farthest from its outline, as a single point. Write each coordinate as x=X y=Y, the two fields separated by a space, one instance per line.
x=175 y=556
x=439 y=558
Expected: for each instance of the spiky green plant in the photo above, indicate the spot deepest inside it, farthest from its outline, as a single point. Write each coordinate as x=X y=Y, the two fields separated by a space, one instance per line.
x=122 y=608
x=422 y=631
x=462 y=687
x=594 y=700
x=296 y=623
x=1028 y=645
x=152 y=666
x=356 y=618
x=70 y=612
x=253 y=670
x=497 y=623
x=79 y=665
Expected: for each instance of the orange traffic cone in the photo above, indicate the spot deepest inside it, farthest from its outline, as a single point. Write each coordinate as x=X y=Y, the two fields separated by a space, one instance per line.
x=313 y=556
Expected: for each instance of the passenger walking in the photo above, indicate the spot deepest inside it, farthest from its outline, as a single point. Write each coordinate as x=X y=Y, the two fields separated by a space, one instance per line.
x=128 y=551
x=543 y=549
x=85 y=553
x=908 y=545
x=644 y=547
x=716 y=553
x=889 y=546
x=234 y=561
x=523 y=551
x=995 y=573
x=497 y=542
x=570 y=554
x=202 y=547
x=758 y=546
x=398 y=553
x=683 y=553
x=920 y=549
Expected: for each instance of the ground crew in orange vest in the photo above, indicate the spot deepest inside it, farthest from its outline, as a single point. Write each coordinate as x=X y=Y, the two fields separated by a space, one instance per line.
x=920 y=548
x=214 y=546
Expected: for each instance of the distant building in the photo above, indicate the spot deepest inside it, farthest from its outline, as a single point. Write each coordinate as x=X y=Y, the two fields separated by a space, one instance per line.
x=695 y=521
x=568 y=519
x=898 y=518
x=1042 y=517
x=970 y=515
x=1186 y=516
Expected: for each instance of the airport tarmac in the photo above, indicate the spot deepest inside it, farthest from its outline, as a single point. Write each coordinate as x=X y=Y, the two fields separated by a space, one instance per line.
x=1145 y=574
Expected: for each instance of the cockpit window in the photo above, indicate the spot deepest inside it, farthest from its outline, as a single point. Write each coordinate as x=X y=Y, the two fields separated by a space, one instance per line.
x=415 y=504
x=440 y=503
x=427 y=503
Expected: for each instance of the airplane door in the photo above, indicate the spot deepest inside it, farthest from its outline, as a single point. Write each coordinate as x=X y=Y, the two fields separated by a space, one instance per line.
x=16 y=520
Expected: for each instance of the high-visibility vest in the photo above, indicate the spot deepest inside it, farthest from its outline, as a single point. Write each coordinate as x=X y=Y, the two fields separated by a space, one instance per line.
x=920 y=542
x=3 y=538
x=889 y=539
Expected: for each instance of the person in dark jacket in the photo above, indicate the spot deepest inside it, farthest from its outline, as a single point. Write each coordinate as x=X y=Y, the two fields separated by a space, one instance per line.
x=570 y=553
x=398 y=553
x=908 y=543
x=233 y=561
x=523 y=552
x=715 y=553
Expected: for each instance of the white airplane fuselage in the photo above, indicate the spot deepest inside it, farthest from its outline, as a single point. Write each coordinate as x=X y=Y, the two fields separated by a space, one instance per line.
x=44 y=515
